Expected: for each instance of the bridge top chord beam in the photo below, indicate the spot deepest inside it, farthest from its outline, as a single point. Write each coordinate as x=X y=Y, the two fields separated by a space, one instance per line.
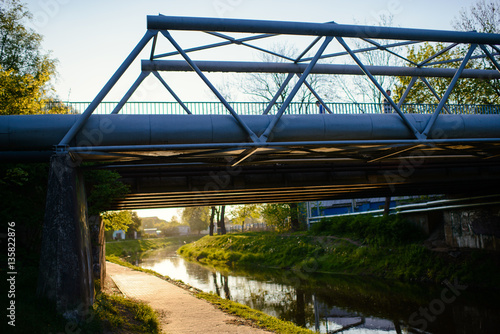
x=162 y=22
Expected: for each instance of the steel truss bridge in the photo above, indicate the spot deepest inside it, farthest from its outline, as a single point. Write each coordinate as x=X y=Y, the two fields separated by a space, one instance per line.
x=274 y=154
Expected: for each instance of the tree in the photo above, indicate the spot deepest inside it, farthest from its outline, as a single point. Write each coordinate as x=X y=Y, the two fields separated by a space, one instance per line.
x=241 y=213
x=135 y=226
x=466 y=91
x=278 y=215
x=117 y=220
x=263 y=86
x=25 y=70
x=294 y=217
x=105 y=187
x=221 y=222
x=212 y=215
x=482 y=17
x=196 y=217
x=359 y=88
x=175 y=220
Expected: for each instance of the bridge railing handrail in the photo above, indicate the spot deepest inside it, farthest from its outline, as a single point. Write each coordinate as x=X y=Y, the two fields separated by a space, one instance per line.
x=256 y=108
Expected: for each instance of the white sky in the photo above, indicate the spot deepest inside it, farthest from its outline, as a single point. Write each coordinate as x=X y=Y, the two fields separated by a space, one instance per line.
x=92 y=38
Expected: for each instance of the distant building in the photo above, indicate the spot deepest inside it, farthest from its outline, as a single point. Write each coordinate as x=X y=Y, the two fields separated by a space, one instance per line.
x=184 y=230
x=345 y=206
x=119 y=235
x=151 y=231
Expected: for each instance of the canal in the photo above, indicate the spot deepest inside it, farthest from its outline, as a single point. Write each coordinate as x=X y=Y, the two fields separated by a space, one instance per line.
x=342 y=303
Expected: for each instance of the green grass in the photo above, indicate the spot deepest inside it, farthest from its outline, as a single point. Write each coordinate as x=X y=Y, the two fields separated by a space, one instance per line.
x=345 y=254
x=257 y=317
x=119 y=314
x=390 y=230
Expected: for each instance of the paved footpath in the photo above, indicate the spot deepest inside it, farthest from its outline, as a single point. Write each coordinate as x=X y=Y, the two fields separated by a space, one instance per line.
x=182 y=312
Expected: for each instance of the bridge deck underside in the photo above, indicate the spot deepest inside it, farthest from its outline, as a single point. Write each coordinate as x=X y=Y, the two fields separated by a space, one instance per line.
x=160 y=179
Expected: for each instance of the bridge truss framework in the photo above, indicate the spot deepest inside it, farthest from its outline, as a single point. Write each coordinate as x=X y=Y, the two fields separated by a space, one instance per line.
x=389 y=154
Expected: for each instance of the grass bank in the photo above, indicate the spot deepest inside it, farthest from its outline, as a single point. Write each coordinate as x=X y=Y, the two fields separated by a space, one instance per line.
x=117 y=314
x=381 y=247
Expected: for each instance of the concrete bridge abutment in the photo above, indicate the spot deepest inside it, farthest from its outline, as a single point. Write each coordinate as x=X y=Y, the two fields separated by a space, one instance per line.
x=473 y=227
x=66 y=272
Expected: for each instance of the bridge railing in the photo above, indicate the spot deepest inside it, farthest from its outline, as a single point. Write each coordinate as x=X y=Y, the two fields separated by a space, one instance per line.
x=256 y=108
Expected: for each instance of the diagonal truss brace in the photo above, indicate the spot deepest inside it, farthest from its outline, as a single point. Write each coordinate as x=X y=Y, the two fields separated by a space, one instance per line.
x=245 y=127
x=433 y=91
x=278 y=93
x=409 y=125
x=446 y=95
x=490 y=56
x=78 y=125
x=171 y=91
x=264 y=137
x=131 y=91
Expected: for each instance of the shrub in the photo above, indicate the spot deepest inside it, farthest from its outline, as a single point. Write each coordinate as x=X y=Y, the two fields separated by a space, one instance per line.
x=379 y=231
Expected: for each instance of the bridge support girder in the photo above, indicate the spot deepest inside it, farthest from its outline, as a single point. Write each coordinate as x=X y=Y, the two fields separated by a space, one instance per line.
x=65 y=275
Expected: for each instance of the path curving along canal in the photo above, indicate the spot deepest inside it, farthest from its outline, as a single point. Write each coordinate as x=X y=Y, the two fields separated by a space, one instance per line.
x=342 y=303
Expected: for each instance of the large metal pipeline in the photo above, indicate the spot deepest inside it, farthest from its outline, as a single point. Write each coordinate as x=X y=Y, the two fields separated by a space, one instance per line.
x=42 y=132
x=273 y=67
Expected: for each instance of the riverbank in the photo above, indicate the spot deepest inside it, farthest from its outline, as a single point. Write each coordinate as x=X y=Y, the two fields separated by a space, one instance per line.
x=196 y=317
x=135 y=249
x=345 y=254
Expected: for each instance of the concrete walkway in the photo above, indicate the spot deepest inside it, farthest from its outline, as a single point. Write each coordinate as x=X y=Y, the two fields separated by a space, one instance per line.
x=182 y=312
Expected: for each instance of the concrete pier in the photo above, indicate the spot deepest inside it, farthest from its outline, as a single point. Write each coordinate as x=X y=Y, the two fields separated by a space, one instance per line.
x=65 y=275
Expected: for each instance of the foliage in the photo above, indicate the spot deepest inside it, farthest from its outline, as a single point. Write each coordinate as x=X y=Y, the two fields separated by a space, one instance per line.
x=259 y=318
x=242 y=213
x=483 y=16
x=335 y=254
x=466 y=91
x=117 y=220
x=25 y=70
x=131 y=248
x=130 y=316
x=277 y=214
x=198 y=218
x=23 y=189
x=105 y=187
x=136 y=223
x=377 y=231
x=167 y=228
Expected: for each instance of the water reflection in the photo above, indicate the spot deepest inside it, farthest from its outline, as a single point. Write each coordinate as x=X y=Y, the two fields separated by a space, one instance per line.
x=339 y=303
